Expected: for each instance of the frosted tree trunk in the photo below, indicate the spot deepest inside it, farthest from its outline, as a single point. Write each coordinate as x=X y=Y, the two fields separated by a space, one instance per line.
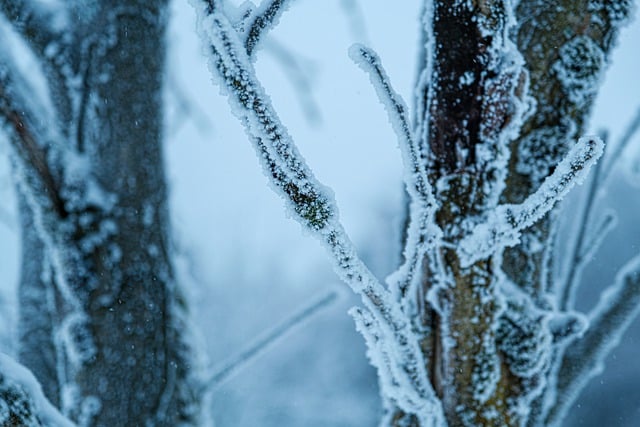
x=102 y=321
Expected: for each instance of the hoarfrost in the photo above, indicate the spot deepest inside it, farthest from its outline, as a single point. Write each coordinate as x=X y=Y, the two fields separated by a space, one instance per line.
x=14 y=373
x=579 y=68
x=535 y=153
x=505 y=223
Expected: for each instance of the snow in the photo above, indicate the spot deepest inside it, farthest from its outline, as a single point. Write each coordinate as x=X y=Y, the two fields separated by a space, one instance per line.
x=18 y=374
x=506 y=221
x=579 y=68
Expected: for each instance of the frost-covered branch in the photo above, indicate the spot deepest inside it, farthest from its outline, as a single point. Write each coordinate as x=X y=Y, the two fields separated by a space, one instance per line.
x=584 y=359
x=22 y=402
x=422 y=232
x=263 y=19
x=506 y=222
x=271 y=337
x=416 y=176
x=37 y=21
x=309 y=202
x=569 y=283
x=23 y=118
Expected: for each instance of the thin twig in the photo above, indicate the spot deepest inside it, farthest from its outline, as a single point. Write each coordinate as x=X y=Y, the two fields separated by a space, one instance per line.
x=632 y=129
x=584 y=359
x=266 y=16
x=265 y=342
x=570 y=282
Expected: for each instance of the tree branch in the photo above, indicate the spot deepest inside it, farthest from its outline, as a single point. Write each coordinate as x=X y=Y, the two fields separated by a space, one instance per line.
x=422 y=233
x=264 y=343
x=505 y=223
x=310 y=202
x=263 y=19
x=584 y=359
x=22 y=401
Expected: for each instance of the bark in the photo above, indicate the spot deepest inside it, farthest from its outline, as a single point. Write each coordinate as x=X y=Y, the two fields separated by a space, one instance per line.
x=97 y=285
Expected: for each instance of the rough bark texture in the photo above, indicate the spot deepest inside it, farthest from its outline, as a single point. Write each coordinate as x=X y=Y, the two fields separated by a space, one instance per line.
x=102 y=324
x=555 y=40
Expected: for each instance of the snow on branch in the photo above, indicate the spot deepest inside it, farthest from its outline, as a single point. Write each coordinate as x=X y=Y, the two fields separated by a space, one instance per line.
x=505 y=223
x=22 y=116
x=37 y=21
x=584 y=359
x=422 y=231
x=397 y=381
x=309 y=202
x=263 y=19
x=27 y=404
x=416 y=176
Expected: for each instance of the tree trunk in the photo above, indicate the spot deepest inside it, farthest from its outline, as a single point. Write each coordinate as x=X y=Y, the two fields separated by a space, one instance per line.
x=102 y=322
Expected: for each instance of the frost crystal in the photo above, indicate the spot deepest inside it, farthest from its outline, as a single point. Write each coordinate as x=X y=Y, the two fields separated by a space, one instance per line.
x=578 y=68
x=536 y=153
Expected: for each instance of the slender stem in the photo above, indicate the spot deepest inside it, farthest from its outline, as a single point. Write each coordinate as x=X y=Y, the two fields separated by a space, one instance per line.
x=269 y=339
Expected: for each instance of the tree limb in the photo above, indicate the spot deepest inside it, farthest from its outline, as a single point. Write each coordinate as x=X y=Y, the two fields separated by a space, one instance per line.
x=506 y=222
x=584 y=359
x=263 y=20
x=310 y=202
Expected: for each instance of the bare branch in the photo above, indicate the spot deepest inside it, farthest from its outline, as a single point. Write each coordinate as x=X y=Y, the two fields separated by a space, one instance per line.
x=506 y=222
x=265 y=342
x=584 y=359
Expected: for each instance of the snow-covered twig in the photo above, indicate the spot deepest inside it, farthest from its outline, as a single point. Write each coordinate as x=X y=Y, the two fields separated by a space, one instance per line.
x=422 y=231
x=416 y=177
x=38 y=23
x=263 y=19
x=584 y=359
x=504 y=224
x=264 y=343
x=12 y=375
x=310 y=203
